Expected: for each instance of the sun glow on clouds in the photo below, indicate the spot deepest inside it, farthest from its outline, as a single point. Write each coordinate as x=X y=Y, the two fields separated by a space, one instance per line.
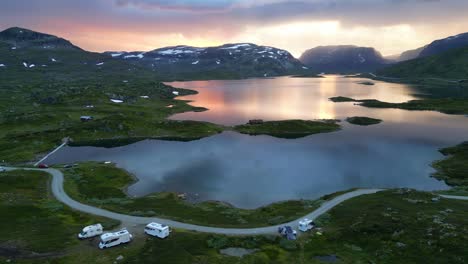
x=299 y=36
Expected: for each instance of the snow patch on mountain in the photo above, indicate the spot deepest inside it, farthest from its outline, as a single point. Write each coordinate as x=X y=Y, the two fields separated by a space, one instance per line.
x=237 y=46
x=361 y=58
x=140 y=56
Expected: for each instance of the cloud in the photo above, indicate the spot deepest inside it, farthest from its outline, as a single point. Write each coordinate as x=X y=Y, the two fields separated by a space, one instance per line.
x=179 y=5
x=294 y=25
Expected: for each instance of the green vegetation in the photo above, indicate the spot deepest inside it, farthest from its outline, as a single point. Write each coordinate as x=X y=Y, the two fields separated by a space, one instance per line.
x=103 y=185
x=40 y=106
x=32 y=222
x=453 y=170
x=363 y=121
x=395 y=226
x=339 y=99
x=307 y=75
x=289 y=128
x=444 y=105
x=452 y=64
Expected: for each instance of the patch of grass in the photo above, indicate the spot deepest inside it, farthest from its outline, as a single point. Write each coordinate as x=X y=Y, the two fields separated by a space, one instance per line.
x=32 y=221
x=363 y=121
x=103 y=185
x=454 y=169
x=443 y=105
x=341 y=99
x=289 y=128
x=393 y=226
x=457 y=190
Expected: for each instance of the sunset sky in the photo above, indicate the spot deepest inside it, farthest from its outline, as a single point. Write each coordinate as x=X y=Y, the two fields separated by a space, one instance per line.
x=391 y=26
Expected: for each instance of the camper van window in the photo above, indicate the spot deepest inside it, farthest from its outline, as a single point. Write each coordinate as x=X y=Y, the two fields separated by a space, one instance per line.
x=113 y=240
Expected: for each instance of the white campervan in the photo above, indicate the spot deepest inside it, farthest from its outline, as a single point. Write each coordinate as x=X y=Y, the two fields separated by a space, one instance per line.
x=91 y=231
x=114 y=239
x=157 y=230
x=306 y=225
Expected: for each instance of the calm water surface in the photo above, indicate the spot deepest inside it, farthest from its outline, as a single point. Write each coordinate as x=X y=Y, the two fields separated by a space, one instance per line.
x=250 y=171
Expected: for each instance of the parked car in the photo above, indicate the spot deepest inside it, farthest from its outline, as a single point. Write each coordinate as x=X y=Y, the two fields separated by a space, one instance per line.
x=42 y=166
x=288 y=232
x=91 y=231
x=2 y=169
x=157 y=230
x=114 y=239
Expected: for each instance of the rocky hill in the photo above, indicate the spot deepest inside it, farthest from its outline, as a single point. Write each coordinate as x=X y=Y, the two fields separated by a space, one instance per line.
x=343 y=59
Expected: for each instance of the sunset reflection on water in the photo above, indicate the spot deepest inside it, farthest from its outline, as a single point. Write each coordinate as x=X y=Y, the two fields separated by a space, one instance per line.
x=237 y=101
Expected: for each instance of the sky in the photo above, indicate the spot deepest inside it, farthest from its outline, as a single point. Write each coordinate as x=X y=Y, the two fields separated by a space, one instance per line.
x=390 y=26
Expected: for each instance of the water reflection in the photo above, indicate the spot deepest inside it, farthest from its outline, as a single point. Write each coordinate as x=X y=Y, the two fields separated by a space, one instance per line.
x=250 y=171
x=235 y=102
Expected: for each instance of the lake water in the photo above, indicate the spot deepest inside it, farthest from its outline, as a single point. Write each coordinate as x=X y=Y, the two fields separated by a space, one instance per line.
x=251 y=171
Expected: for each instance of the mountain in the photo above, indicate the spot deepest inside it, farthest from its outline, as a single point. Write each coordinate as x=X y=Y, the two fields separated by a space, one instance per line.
x=342 y=59
x=238 y=60
x=22 y=38
x=452 y=64
x=410 y=54
x=29 y=56
x=445 y=44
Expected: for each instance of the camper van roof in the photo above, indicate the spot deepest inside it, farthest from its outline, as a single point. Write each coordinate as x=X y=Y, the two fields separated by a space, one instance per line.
x=108 y=236
x=91 y=227
x=157 y=226
x=305 y=221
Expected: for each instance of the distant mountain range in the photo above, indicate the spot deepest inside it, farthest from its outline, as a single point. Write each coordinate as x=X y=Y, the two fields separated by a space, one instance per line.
x=26 y=50
x=231 y=61
x=444 y=58
x=238 y=60
x=451 y=64
x=445 y=44
x=343 y=59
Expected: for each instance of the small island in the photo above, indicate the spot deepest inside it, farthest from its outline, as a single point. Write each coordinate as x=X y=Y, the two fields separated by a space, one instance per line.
x=363 y=121
x=288 y=128
x=366 y=83
x=340 y=99
x=443 y=105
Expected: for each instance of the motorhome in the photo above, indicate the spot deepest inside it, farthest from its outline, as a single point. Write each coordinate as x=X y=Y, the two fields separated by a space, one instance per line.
x=114 y=239
x=91 y=231
x=157 y=230
x=306 y=225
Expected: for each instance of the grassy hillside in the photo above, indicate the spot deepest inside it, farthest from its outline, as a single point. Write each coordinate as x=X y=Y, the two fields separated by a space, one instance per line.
x=448 y=65
x=41 y=105
x=32 y=221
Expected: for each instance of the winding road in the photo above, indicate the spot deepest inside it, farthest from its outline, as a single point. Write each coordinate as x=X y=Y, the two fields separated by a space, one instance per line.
x=59 y=193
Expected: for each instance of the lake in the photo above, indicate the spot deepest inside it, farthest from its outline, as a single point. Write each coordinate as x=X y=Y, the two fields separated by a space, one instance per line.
x=251 y=171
